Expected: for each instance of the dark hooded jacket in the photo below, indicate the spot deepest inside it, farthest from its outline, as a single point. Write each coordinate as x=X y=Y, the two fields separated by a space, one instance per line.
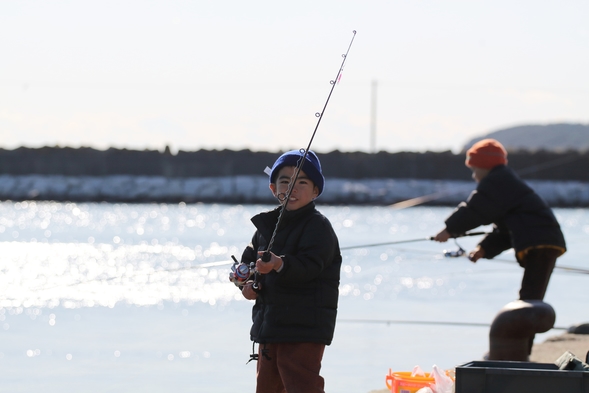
x=299 y=303
x=521 y=218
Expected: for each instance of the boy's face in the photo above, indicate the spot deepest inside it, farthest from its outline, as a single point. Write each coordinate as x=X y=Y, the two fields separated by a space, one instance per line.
x=478 y=174
x=303 y=192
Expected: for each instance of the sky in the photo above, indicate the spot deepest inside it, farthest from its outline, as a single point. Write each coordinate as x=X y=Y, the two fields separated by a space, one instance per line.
x=231 y=74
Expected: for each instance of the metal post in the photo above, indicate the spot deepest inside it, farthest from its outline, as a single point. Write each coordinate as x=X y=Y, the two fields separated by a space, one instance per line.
x=373 y=118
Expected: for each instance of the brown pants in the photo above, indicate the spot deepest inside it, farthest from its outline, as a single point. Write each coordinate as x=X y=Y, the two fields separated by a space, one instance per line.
x=538 y=265
x=290 y=368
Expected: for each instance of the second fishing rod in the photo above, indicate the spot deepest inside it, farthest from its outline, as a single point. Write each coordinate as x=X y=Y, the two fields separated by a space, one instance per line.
x=419 y=239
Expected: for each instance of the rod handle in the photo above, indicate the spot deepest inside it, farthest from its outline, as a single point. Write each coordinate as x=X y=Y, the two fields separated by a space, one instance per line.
x=266 y=256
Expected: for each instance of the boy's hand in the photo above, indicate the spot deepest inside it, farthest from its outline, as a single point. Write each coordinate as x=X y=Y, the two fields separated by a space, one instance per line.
x=476 y=254
x=275 y=263
x=443 y=236
x=248 y=292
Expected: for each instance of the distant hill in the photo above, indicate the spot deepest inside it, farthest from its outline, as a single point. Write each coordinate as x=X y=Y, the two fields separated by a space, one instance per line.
x=551 y=137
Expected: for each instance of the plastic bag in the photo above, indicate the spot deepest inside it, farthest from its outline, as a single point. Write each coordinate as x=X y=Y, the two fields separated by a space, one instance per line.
x=417 y=372
x=444 y=384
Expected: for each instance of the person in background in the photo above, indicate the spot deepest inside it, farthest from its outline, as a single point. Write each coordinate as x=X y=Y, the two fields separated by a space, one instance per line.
x=296 y=301
x=520 y=217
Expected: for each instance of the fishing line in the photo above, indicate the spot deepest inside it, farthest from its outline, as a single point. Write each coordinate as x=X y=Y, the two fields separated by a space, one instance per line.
x=550 y=164
x=205 y=265
x=410 y=322
x=319 y=115
x=136 y=274
x=570 y=269
x=525 y=171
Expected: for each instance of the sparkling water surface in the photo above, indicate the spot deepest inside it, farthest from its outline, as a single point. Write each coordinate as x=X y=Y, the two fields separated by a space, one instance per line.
x=100 y=297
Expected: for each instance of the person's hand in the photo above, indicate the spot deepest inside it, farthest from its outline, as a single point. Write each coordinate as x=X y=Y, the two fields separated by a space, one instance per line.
x=248 y=292
x=442 y=236
x=274 y=263
x=476 y=254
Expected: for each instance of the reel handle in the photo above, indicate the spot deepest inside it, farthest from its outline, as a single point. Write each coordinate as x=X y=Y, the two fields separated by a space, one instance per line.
x=256 y=284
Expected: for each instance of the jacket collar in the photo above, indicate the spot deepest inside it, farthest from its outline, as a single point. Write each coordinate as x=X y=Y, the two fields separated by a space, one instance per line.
x=267 y=220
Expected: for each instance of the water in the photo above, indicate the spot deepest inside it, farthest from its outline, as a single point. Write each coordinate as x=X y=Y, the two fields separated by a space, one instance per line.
x=115 y=297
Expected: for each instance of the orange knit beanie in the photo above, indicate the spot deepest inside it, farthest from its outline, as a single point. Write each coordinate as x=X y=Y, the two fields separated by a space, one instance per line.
x=486 y=154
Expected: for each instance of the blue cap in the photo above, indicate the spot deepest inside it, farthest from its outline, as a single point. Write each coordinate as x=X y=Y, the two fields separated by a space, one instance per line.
x=311 y=166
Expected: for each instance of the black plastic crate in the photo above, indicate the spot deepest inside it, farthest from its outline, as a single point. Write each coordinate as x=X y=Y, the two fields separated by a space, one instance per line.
x=518 y=377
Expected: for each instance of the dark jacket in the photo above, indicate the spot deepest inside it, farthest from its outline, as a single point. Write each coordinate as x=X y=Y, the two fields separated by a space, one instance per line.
x=521 y=218
x=298 y=304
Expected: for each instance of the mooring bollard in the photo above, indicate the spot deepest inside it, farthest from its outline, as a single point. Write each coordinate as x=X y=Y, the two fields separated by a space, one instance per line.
x=514 y=327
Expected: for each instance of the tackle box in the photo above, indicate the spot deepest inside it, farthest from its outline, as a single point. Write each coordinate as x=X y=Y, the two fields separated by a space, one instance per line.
x=518 y=377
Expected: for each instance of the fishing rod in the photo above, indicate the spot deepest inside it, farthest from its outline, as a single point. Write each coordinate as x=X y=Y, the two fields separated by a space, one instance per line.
x=411 y=240
x=319 y=115
x=461 y=252
x=241 y=272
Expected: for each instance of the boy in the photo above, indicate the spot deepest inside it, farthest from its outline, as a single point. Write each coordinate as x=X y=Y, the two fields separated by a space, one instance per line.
x=296 y=303
x=521 y=219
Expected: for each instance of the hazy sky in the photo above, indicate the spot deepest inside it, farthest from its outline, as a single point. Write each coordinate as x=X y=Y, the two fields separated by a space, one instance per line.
x=252 y=74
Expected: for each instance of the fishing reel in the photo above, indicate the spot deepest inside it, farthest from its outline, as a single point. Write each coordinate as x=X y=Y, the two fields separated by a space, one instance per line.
x=241 y=272
x=455 y=254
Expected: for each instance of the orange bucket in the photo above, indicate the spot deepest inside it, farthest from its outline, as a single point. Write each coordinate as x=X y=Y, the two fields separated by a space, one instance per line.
x=403 y=382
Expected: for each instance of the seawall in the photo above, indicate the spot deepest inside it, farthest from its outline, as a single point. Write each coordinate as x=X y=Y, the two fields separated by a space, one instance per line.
x=254 y=189
x=225 y=176
x=221 y=163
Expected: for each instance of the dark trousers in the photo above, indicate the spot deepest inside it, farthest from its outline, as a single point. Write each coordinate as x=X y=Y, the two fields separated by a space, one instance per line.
x=290 y=368
x=538 y=265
